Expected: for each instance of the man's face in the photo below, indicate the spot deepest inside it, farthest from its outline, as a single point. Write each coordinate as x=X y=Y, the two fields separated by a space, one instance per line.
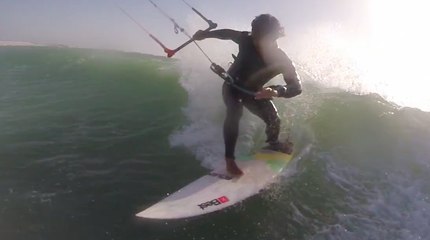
x=271 y=38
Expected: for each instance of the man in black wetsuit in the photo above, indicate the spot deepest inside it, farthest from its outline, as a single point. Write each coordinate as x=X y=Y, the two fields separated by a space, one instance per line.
x=259 y=60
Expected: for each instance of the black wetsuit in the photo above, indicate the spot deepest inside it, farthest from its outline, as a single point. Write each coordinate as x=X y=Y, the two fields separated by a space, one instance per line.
x=251 y=72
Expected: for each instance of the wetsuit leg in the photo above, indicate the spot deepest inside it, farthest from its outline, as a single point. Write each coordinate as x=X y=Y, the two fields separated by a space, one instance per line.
x=231 y=122
x=266 y=110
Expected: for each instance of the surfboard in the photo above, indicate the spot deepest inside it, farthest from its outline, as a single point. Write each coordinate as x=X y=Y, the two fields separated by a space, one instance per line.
x=217 y=190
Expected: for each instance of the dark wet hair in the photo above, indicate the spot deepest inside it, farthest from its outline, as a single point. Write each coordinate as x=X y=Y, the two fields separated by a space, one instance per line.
x=265 y=24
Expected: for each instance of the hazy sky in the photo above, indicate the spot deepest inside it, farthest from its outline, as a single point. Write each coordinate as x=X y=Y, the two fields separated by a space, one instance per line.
x=99 y=24
x=386 y=40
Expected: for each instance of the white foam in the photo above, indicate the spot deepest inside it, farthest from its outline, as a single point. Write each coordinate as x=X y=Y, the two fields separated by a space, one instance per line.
x=389 y=206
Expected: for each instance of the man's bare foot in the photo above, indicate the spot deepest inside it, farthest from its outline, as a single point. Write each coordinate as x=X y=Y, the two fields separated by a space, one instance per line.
x=232 y=168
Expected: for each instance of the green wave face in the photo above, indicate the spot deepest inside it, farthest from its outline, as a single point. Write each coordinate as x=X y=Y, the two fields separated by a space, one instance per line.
x=83 y=100
x=88 y=138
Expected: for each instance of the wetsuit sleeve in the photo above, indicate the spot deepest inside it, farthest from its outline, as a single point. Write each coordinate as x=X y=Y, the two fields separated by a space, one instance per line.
x=293 y=86
x=223 y=34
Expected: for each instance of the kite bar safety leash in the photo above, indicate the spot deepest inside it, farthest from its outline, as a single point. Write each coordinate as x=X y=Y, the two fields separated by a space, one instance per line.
x=178 y=28
x=217 y=69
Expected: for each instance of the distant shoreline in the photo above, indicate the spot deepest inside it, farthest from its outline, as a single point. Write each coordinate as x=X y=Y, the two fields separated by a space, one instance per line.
x=15 y=43
x=29 y=44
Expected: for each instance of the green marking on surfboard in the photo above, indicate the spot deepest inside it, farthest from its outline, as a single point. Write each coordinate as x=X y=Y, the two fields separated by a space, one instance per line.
x=276 y=161
x=276 y=165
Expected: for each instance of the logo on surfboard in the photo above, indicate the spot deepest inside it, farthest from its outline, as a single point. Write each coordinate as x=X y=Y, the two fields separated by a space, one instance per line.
x=214 y=202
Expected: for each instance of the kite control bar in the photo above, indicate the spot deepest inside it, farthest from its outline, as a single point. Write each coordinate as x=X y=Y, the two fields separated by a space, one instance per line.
x=212 y=25
x=217 y=69
x=178 y=28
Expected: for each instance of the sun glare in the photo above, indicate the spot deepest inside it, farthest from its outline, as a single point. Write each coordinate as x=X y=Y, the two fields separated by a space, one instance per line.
x=399 y=51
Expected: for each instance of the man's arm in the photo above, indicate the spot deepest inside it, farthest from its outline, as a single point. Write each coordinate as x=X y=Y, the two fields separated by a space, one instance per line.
x=224 y=34
x=293 y=87
x=291 y=78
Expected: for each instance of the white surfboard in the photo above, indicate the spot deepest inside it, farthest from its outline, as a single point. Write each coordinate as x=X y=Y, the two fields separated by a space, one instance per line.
x=217 y=190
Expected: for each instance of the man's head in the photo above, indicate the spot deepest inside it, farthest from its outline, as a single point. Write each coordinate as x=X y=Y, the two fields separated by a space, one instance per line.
x=266 y=26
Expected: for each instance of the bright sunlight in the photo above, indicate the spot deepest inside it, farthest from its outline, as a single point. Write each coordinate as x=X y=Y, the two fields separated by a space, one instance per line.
x=400 y=50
